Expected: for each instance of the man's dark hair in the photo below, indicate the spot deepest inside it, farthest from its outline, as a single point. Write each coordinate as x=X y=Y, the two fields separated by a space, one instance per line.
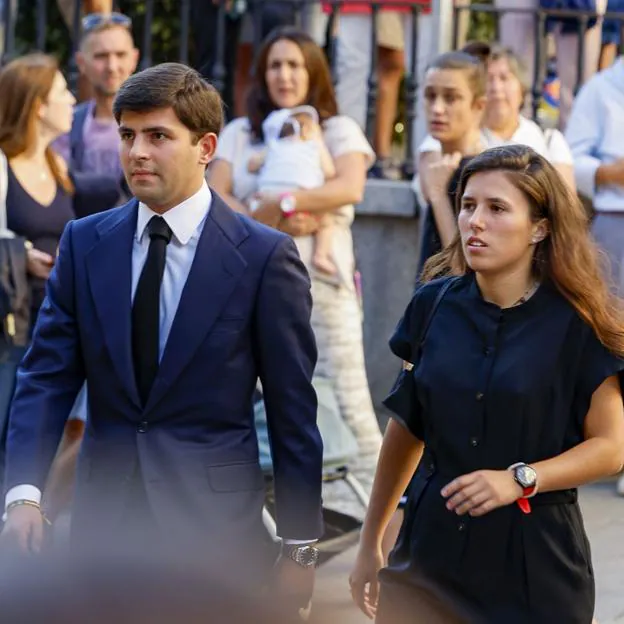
x=196 y=103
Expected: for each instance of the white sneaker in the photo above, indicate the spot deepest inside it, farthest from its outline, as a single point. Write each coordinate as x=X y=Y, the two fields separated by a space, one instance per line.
x=620 y=485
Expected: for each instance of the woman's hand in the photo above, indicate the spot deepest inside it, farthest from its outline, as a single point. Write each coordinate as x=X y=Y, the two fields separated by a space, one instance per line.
x=39 y=263
x=363 y=579
x=267 y=209
x=300 y=224
x=478 y=493
x=437 y=174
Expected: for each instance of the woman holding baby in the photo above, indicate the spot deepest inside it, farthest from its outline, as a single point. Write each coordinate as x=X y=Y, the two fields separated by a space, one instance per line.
x=292 y=79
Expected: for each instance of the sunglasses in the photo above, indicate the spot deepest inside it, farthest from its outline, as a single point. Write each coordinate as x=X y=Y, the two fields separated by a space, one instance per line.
x=94 y=20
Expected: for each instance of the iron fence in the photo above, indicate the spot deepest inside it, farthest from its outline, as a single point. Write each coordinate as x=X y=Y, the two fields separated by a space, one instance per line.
x=217 y=72
x=541 y=16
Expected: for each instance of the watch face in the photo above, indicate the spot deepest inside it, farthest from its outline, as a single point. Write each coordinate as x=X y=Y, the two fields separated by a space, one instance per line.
x=526 y=476
x=306 y=556
x=287 y=204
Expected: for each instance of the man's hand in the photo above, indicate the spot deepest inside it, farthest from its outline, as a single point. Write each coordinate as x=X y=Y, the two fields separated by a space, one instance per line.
x=294 y=585
x=480 y=492
x=24 y=528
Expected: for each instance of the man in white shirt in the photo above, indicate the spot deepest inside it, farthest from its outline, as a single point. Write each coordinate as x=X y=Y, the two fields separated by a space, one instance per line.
x=595 y=137
x=171 y=307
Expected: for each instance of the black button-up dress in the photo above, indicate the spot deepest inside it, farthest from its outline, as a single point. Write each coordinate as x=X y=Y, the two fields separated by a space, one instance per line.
x=496 y=387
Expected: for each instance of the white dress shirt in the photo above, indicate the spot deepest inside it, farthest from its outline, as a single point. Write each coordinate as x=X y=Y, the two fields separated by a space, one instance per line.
x=594 y=132
x=186 y=221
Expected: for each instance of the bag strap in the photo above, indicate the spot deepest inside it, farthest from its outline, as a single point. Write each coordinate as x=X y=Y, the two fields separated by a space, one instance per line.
x=4 y=184
x=436 y=304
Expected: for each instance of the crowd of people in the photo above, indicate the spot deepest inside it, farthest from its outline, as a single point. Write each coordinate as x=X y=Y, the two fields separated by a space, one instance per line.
x=174 y=266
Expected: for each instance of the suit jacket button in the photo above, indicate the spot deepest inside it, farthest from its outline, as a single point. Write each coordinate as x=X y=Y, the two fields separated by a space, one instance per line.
x=479 y=396
x=142 y=428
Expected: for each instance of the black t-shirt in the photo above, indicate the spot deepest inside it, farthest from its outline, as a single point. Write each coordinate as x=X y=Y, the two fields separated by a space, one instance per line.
x=41 y=225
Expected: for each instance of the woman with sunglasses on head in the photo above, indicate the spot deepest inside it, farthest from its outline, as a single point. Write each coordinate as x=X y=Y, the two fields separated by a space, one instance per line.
x=517 y=401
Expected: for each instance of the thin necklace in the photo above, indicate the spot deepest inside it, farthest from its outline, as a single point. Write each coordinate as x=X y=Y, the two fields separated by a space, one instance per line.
x=528 y=293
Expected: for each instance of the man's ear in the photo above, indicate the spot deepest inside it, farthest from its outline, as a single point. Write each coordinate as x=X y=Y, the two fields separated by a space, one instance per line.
x=208 y=147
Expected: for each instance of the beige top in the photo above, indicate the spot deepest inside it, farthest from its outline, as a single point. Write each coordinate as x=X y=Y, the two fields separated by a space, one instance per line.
x=342 y=136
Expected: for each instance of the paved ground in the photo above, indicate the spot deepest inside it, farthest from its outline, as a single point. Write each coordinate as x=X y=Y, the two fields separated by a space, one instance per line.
x=604 y=519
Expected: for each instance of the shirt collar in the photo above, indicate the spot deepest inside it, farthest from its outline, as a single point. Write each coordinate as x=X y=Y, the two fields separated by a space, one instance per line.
x=183 y=219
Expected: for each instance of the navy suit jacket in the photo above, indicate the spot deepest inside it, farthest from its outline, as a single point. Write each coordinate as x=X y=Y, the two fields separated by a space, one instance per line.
x=244 y=314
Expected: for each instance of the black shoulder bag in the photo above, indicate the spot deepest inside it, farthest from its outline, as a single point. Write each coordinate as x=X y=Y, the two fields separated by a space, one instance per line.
x=14 y=287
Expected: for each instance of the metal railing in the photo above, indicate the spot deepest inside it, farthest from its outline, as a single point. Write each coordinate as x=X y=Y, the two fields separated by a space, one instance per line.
x=540 y=17
x=217 y=74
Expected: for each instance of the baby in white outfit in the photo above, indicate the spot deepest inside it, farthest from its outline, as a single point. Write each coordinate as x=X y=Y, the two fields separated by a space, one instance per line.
x=296 y=157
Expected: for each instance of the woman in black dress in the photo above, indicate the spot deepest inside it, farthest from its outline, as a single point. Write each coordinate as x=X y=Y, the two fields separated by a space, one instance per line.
x=522 y=364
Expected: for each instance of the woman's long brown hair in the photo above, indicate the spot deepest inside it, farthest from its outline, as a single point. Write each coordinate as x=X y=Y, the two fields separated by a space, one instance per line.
x=25 y=84
x=568 y=257
x=320 y=91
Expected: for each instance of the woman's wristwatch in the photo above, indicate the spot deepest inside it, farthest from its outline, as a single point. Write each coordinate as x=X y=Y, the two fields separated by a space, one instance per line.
x=287 y=204
x=526 y=477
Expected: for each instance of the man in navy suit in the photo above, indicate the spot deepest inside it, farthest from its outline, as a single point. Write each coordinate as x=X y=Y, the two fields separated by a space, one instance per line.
x=171 y=307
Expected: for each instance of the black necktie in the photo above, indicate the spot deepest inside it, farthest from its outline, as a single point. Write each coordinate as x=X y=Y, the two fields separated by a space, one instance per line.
x=146 y=308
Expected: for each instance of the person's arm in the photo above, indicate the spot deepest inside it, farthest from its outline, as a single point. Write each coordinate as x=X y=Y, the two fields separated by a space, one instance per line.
x=256 y=161
x=219 y=177
x=286 y=355
x=584 y=134
x=561 y=157
x=347 y=187
x=48 y=381
x=327 y=162
x=600 y=455
x=93 y=192
x=286 y=351
x=435 y=177
x=399 y=457
x=567 y=173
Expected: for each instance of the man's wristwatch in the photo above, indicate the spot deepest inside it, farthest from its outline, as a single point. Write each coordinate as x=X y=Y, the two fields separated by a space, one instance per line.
x=302 y=554
x=525 y=477
x=288 y=204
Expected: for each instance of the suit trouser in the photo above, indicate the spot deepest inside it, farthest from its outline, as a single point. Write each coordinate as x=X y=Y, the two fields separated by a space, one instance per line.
x=517 y=31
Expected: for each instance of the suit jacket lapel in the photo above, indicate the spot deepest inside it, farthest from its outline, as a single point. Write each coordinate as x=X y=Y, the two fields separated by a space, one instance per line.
x=109 y=267
x=215 y=272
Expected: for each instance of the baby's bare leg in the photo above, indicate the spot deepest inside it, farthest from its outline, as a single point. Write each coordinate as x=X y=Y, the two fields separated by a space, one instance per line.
x=323 y=248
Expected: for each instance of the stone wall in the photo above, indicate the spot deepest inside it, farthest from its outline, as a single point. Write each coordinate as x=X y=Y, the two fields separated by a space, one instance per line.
x=387 y=238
